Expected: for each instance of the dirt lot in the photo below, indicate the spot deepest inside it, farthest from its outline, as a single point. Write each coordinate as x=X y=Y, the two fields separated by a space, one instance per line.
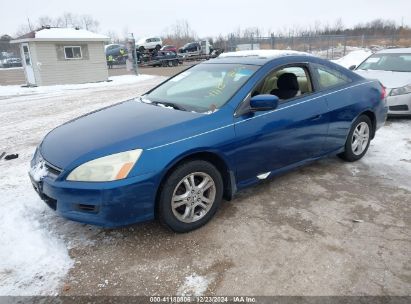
x=331 y=228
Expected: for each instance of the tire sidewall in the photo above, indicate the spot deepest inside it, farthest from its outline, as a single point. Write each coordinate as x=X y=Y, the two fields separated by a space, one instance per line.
x=349 y=154
x=166 y=214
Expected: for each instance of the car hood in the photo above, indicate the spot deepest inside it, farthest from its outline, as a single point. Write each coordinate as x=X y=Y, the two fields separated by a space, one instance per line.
x=121 y=127
x=388 y=78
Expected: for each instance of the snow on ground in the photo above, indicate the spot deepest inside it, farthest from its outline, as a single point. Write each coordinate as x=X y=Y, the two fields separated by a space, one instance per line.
x=12 y=90
x=13 y=68
x=389 y=155
x=194 y=285
x=34 y=242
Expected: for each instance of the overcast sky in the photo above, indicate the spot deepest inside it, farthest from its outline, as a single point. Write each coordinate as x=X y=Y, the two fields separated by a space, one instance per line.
x=206 y=17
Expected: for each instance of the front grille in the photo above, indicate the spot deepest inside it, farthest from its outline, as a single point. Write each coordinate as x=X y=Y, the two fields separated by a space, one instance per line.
x=52 y=169
x=399 y=108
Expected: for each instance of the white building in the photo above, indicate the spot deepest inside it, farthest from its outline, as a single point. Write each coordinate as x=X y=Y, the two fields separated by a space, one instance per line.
x=63 y=56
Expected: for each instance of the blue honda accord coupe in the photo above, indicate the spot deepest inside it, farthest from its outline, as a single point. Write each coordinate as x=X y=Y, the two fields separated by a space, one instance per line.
x=218 y=127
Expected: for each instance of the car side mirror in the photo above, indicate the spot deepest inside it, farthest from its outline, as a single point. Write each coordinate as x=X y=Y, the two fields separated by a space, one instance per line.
x=352 y=67
x=263 y=102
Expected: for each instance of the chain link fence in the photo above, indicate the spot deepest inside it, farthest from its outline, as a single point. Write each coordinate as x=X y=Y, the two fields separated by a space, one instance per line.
x=326 y=46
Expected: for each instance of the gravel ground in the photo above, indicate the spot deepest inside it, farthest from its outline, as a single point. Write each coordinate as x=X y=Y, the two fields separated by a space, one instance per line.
x=330 y=228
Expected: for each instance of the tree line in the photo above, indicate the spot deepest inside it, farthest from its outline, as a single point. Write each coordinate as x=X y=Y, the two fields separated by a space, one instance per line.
x=85 y=21
x=181 y=31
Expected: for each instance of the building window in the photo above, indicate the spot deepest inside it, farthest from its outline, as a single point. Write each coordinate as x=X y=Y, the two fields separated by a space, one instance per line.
x=73 y=52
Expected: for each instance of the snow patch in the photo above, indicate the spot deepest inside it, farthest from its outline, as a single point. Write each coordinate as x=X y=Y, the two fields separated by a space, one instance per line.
x=33 y=258
x=68 y=33
x=389 y=154
x=39 y=171
x=194 y=285
x=13 y=90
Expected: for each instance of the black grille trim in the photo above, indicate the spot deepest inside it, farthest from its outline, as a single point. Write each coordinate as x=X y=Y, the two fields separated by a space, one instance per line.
x=399 y=108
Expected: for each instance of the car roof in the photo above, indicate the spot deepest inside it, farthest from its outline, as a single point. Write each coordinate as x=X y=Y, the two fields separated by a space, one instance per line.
x=394 y=51
x=255 y=57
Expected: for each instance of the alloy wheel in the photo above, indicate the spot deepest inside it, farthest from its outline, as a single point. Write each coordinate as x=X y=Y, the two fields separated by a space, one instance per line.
x=193 y=197
x=360 y=138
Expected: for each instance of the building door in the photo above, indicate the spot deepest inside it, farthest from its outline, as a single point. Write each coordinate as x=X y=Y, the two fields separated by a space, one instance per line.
x=27 y=64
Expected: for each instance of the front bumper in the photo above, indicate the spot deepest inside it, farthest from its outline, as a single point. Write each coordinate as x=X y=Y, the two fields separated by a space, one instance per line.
x=399 y=104
x=108 y=204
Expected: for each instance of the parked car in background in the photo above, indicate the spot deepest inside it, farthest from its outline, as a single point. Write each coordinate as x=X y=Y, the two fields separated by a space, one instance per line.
x=10 y=62
x=392 y=67
x=205 y=134
x=166 y=58
x=353 y=58
x=190 y=47
x=170 y=48
x=115 y=50
x=149 y=44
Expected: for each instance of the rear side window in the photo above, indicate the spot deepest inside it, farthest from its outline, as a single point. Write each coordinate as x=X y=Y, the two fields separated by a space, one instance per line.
x=329 y=78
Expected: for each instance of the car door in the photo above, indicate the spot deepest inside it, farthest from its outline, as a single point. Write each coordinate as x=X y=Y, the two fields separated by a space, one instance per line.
x=342 y=103
x=271 y=140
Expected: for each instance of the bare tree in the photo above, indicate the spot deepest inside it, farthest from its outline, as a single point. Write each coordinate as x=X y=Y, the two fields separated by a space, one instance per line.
x=113 y=36
x=338 y=26
x=89 y=23
x=23 y=29
x=66 y=20
x=45 y=20
x=180 y=33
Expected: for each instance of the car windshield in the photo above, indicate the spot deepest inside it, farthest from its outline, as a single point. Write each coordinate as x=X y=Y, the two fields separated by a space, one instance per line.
x=397 y=62
x=203 y=88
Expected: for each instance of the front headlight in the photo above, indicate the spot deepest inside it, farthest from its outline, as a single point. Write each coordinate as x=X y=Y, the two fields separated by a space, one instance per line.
x=401 y=91
x=108 y=168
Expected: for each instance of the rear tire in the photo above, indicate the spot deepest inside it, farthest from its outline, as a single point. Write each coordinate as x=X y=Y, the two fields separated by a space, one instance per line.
x=358 y=139
x=190 y=196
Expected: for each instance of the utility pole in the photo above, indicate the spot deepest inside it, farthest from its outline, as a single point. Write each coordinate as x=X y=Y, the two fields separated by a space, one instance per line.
x=28 y=21
x=132 y=60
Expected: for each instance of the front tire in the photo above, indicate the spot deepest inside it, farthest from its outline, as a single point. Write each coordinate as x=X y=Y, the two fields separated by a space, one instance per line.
x=358 y=139
x=190 y=196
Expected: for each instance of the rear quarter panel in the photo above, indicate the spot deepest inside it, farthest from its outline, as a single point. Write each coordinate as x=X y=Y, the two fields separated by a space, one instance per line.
x=345 y=104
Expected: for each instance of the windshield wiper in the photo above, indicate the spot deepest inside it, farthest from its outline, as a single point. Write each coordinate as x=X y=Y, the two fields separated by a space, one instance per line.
x=170 y=104
x=163 y=103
